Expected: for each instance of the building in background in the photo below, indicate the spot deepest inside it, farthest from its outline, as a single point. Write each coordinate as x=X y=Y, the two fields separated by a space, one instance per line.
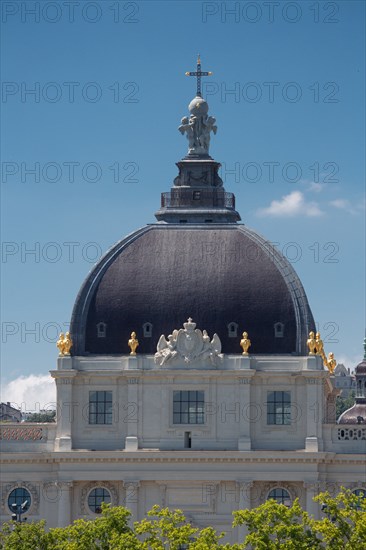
x=9 y=413
x=344 y=380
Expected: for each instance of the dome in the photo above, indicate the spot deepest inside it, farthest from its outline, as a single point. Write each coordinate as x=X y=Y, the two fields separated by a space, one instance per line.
x=355 y=415
x=361 y=368
x=225 y=277
x=195 y=262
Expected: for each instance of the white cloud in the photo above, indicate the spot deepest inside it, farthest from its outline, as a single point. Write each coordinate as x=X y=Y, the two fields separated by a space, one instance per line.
x=313 y=186
x=291 y=205
x=30 y=393
x=345 y=204
x=316 y=187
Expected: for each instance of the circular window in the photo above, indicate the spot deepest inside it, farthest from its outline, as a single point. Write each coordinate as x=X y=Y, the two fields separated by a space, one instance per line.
x=281 y=496
x=19 y=497
x=96 y=497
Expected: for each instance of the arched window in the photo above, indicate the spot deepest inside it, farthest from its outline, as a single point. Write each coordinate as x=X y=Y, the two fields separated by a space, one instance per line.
x=232 y=330
x=147 y=330
x=279 y=330
x=18 y=497
x=101 y=330
x=281 y=496
x=96 y=497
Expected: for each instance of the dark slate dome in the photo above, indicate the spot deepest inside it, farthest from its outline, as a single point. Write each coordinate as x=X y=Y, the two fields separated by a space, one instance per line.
x=225 y=276
x=196 y=262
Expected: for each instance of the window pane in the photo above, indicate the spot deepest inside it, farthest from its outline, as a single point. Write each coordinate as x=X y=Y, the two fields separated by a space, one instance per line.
x=188 y=407
x=96 y=497
x=279 y=408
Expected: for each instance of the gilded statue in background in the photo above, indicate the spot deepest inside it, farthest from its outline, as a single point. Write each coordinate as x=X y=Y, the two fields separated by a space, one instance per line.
x=64 y=344
x=133 y=343
x=331 y=363
x=245 y=343
x=320 y=348
x=316 y=347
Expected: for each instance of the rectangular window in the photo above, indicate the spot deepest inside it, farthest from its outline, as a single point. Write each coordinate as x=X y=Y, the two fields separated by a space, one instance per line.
x=100 y=407
x=279 y=407
x=188 y=407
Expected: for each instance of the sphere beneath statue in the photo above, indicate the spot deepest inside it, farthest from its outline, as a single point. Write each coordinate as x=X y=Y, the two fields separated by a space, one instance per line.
x=198 y=106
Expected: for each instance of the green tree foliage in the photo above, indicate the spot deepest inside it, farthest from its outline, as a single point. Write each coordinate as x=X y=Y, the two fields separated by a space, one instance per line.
x=274 y=526
x=344 y=403
x=344 y=527
x=47 y=416
x=271 y=526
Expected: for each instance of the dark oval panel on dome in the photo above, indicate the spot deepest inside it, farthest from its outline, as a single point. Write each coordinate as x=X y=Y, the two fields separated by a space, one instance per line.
x=162 y=274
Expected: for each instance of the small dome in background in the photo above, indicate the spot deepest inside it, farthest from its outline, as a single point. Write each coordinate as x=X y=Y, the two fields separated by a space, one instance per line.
x=357 y=413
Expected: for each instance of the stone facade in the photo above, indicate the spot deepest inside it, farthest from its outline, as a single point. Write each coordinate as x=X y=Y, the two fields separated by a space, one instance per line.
x=232 y=452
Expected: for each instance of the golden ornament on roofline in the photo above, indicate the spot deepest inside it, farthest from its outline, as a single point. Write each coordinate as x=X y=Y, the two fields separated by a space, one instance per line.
x=64 y=344
x=316 y=347
x=311 y=343
x=245 y=343
x=133 y=343
x=320 y=348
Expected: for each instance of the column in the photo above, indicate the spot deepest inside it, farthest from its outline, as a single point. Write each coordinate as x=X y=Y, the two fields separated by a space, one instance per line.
x=65 y=409
x=244 y=489
x=132 y=419
x=312 y=489
x=244 y=442
x=313 y=415
x=132 y=498
x=64 y=503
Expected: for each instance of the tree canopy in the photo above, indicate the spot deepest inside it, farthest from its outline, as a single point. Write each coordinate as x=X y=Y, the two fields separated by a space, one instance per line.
x=270 y=526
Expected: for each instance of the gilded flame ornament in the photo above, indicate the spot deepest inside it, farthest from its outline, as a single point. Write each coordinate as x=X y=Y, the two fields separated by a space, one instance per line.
x=245 y=343
x=64 y=344
x=311 y=343
x=133 y=343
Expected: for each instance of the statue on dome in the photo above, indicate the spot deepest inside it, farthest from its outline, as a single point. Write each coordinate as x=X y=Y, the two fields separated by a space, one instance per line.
x=199 y=125
x=198 y=128
x=319 y=346
x=188 y=345
x=166 y=349
x=187 y=127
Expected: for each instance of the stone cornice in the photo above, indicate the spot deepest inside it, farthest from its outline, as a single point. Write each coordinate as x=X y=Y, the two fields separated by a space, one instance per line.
x=189 y=457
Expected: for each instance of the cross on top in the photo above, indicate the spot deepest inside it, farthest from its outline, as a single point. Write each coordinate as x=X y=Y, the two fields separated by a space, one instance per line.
x=198 y=74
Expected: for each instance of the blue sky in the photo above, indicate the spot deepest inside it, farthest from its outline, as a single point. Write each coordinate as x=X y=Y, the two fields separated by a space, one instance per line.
x=100 y=133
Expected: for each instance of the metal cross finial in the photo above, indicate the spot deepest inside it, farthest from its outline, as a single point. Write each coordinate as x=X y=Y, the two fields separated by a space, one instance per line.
x=198 y=74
